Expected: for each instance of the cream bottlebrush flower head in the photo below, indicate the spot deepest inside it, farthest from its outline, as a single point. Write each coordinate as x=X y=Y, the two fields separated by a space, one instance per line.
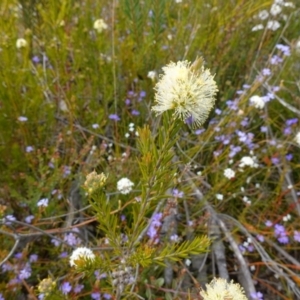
x=94 y=182
x=80 y=256
x=186 y=90
x=220 y=289
x=100 y=25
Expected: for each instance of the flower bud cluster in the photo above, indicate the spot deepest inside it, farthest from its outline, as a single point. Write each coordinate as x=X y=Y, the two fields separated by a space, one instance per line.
x=122 y=277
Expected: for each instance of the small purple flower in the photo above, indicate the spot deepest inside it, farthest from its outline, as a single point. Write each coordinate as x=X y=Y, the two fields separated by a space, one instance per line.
x=289 y=157
x=290 y=122
x=66 y=171
x=71 y=239
x=174 y=238
x=114 y=117
x=142 y=94
x=56 y=242
x=232 y=104
x=263 y=129
x=260 y=238
x=275 y=160
x=41 y=296
x=234 y=150
x=106 y=296
x=35 y=59
x=135 y=112
x=246 y=86
x=66 y=288
x=78 y=288
x=245 y=122
x=283 y=239
x=25 y=273
x=199 y=131
x=6 y=267
x=250 y=248
x=218 y=111
x=276 y=60
x=177 y=194
x=266 y=72
x=257 y=296
x=29 y=149
x=284 y=48
x=281 y=234
x=33 y=258
x=1 y=297
x=297 y=236
x=96 y=296
x=29 y=219
x=154 y=226
x=287 y=130
x=18 y=255
x=268 y=223
x=127 y=102
x=99 y=275
x=9 y=218
x=64 y=254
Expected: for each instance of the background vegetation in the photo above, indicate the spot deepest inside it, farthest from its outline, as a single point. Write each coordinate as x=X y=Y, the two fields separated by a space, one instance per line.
x=72 y=98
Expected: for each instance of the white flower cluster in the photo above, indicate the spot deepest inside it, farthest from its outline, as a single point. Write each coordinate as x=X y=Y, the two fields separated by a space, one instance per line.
x=80 y=255
x=257 y=102
x=229 y=173
x=248 y=161
x=274 y=12
x=221 y=289
x=124 y=186
x=189 y=92
x=297 y=138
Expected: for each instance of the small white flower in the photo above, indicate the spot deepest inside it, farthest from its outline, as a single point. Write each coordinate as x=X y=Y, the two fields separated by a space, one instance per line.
x=43 y=202
x=229 y=173
x=289 y=4
x=21 y=43
x=248 y=161
x=275 y=9
x=219 y=197
x=188 y=262
x=124 y=186
x=187 y=90
x=178 y=1
x=257 y=101
x=287 y=218
x=263 y=14
x=22 y=119
x=297 y=138
x=100 y=25
x=273 y=25
x=80 y=255
x=127 y=135
x=151 y=75
x=257 y=27
x=63 y=106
